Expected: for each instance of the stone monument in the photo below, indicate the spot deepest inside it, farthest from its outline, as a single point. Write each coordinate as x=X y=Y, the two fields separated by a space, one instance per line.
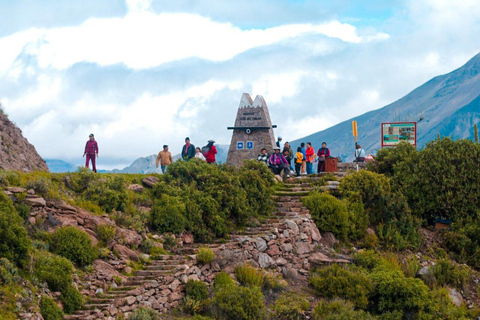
x=253 y=131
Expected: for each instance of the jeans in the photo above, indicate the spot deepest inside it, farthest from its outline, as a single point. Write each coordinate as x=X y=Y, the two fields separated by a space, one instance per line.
x=298 y=167
x=309 y=168
x=164 y=168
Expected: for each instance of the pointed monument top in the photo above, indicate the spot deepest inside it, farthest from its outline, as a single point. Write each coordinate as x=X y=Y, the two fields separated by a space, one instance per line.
x=246 y=101
x=259 y=102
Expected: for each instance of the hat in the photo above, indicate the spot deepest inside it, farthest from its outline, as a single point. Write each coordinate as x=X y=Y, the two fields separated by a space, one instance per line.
x=91 y=135
x=279 y=137
x=276 y=148
x=212 y=141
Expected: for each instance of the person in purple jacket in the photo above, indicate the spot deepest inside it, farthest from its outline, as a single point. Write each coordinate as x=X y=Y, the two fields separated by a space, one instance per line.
x=278 y=163
x=91 y=151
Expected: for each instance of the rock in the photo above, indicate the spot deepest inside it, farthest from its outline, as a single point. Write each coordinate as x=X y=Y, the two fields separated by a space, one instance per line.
x=261 y=244
x=424 y=271
x=125 y=252
x=16 y=190
x=287 y=247
x=36 y=202
x=31 y=192
x=304 y=247
x=370 y=231
x=273 y=250
x=319 y=258
x=130 y=237
x=130 y=300
x=281 y=261
x=32 y=220
x=150 y=181
x=135 y=188
x=328 y=239
x=265 y=261
x=456 y=297
x=278 y=178
x=99 y=291
x=292 y=226
x=315 y=233
x=187 y=238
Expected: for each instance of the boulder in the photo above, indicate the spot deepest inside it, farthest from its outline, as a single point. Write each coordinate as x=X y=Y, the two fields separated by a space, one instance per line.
x=130 y=237
x=16 y=190
x=318 y=258
x=456 y=297
x=135 y=188
x=328 y=239
x=125 y=252
x=150 y=181
x=187 y=238
x=261 y=244
x=36 y=202
x=304 y=247
x=292 y=226
x=265 y=261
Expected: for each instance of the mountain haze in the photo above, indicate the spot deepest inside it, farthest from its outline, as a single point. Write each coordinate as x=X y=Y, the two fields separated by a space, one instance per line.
x=448 y=105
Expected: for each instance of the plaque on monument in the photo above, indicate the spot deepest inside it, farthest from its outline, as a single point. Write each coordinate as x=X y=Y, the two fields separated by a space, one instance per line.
x=253 y=131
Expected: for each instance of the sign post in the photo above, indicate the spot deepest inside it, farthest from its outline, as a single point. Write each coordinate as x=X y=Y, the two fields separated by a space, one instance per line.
x=395 y=132
x=355 y=134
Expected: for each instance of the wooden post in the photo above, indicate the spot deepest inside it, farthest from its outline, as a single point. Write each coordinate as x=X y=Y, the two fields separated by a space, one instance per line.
x=438 y=136
x=475 y=130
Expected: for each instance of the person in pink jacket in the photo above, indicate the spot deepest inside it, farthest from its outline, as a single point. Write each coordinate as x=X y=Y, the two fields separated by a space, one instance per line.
x=91 y=152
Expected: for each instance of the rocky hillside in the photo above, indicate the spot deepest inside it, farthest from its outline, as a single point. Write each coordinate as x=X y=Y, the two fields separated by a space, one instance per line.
x=448 y=105
x=16 y=153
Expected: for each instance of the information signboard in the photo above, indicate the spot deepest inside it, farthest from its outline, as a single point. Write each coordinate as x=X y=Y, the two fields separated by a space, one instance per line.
x=395 y=132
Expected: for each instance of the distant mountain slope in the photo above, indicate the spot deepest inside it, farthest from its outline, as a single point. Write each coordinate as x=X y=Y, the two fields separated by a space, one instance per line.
x=148 y=164
x=447 y=104
x=59 y=166
x=16 y=153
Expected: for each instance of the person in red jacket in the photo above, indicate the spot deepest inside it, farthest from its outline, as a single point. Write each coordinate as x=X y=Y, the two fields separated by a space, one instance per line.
x=212 y=151
x=91 y=151
x=310 y=153
x=322 y=154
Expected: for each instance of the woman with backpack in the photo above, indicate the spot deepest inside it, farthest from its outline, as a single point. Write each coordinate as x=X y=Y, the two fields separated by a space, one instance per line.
x=209 y=151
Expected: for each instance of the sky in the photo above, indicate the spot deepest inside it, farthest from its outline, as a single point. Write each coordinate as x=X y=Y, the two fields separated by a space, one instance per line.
x=143 y=73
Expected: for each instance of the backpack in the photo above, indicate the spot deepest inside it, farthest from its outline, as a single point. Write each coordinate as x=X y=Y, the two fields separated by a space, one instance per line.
x=205 y=150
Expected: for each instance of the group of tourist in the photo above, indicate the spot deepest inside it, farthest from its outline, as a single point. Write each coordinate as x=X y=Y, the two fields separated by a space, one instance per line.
x=280 y=161
x=189 y=151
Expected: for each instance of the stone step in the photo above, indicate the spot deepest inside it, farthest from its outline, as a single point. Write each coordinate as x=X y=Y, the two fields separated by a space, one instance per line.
x=167 y=262
x=111 y=296
x=150 y=273
x=99 y=300
x=284 y=198
x=168 y=257
x=99 y=306
x=123 y=288
x=162 y=267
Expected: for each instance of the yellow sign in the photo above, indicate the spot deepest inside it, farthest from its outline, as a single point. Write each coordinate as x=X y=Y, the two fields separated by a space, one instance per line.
x=354 y=126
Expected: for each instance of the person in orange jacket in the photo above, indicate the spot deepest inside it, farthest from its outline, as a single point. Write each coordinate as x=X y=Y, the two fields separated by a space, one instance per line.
x=310 y=153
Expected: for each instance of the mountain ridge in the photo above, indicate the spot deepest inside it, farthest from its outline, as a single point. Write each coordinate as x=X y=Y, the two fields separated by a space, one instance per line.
x=435 y=106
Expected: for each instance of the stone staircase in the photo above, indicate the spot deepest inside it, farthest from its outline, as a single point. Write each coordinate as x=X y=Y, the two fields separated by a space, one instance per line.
x=288 y=207
x=158 y=268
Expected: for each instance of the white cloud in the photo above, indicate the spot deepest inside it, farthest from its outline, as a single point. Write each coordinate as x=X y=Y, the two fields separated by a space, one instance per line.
x=144 y=39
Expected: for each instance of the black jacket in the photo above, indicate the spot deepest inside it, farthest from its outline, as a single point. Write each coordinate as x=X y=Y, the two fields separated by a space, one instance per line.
x=188 y=154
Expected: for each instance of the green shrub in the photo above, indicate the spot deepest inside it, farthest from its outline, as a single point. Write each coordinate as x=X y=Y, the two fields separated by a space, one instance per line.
x=72 y=300
x=196 y=290
x=400 y=234
x=106 y=232
x=448 y=273
x=445 y=309
x=273 y=282
x=249 y=276
x=335 y=281
x=23 y=210
x=329 y=214
x=290 y=306
x=238 y=303
x=40 y=185
x=8 y=272
x=339 y=310
x=373 y=189
x=144 y=314
x=73 y=244
x=392 y=291
x=56 y=271
x=368 y=259
x=49 y=309
x=198 y=317
x=14 y=241
x=205 y=255
x=167 y=215
x=223 y=279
